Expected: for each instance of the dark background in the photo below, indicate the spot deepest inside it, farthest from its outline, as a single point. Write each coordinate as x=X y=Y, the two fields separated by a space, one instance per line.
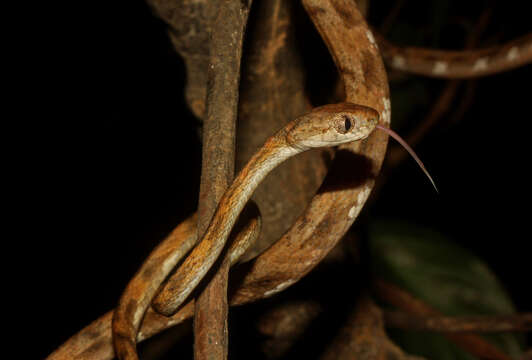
x=112 y=154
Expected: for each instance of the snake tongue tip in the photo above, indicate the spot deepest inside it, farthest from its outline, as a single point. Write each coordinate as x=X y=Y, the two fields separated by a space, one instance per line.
x=411 y=151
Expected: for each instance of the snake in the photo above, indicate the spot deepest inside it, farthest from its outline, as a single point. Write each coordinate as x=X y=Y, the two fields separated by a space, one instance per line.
x=137 y=296
x=325 y=126
x=457 y=64
x=99 y=327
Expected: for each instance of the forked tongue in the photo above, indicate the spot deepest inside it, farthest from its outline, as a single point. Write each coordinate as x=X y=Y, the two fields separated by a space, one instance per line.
x=410 y=151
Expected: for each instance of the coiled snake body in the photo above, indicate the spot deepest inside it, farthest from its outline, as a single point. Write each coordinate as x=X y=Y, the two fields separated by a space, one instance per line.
x=325 y=126
x=328 y=125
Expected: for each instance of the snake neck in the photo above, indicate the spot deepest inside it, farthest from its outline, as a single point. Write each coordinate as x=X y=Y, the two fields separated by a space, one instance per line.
x=274 y=152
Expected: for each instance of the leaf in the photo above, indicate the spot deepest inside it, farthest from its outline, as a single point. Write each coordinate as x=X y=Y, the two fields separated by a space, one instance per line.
x=444 y=275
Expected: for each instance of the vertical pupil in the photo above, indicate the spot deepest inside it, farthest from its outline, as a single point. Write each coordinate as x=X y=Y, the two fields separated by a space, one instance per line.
x=347 y=123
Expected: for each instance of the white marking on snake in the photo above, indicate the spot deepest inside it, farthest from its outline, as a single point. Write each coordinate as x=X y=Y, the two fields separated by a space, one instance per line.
x=440 y=67
x=481 y=64
x=371 y=39
x=361 y=198
x=138 y=314
x=513 y=54
x=387 y=112
x=398 y=62
x=279 y=287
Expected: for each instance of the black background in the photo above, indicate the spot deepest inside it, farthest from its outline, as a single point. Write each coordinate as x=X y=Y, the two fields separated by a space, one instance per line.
x=111 y=159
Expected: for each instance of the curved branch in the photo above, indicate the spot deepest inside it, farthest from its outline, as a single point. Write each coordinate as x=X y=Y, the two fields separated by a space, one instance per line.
x=498 y=323
x=403 y=300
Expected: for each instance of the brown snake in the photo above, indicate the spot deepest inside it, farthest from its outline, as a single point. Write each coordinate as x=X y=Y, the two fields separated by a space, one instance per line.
x=457 y=64
x=93 y=341
x=329 y=125
x=140 y=291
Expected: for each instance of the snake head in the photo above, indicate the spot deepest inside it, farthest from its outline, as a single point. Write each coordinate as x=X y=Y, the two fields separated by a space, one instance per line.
x=332 y=125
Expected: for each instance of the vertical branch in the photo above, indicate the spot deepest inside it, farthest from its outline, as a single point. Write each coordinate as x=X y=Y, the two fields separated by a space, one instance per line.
x=272 y=93
x=218 y=159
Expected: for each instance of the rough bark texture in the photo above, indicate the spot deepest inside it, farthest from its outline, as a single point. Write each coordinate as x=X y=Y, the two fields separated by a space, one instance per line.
x=273 y=93
x=218 y=166
x=363 y=337
x=190 y=23
x=286 y=324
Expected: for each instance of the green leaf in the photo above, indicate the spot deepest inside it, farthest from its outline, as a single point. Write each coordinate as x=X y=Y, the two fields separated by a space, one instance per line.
x=444 y=275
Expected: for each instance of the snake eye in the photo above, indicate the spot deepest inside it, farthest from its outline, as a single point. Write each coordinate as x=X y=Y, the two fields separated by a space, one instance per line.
x=347 y=123
x=344 y=124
